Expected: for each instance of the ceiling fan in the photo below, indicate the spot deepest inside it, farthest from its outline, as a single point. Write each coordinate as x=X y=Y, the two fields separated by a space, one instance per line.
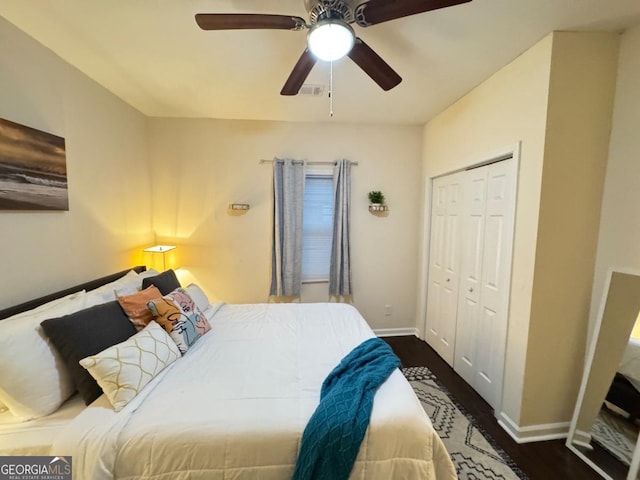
x=330 y=34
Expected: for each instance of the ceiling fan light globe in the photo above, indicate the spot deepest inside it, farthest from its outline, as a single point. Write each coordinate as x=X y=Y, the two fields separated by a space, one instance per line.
x=330 y=40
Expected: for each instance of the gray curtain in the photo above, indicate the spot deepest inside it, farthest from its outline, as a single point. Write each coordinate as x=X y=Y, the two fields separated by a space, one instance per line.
x=288 y=198
x=340 y=269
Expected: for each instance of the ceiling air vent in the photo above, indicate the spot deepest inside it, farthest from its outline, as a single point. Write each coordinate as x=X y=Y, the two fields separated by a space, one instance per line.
x=311 y=90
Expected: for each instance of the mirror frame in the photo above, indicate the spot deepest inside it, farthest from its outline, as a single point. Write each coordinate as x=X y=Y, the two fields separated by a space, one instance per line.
x=593 y=342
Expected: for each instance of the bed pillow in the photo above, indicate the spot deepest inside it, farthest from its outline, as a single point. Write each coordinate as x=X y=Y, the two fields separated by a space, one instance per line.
x=135 y=306
x=166 y=282
x=147 y=273
x=179 y=315
x=126 y=285
x=45 y=306
x=34 y=381
x=123 y=370
x=86 y=333
x=198 y=296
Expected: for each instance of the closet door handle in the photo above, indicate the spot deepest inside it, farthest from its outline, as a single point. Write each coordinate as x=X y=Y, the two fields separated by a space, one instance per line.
x=448 y=279
x=471 y=289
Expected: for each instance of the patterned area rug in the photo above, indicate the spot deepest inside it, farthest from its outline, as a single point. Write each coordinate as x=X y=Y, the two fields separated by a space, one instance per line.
x=474 y=454
x=615 y=434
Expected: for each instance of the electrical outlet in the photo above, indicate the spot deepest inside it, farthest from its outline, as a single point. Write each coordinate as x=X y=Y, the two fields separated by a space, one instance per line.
x=387 y=310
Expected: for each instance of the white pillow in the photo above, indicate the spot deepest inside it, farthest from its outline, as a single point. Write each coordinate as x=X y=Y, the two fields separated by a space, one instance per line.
x=198 y=296
x=34 y=380
x=45 y=306
x=125 y=285
x=123 y=370
x=147 y=273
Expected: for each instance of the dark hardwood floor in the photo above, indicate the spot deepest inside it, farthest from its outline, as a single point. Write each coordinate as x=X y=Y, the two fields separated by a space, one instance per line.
x=549 y=460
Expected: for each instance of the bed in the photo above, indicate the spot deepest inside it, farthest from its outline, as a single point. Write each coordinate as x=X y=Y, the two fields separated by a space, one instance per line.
x=624 y=393
x=236 y=403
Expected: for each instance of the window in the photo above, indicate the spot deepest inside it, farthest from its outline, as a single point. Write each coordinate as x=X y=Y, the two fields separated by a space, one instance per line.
x=317 y=228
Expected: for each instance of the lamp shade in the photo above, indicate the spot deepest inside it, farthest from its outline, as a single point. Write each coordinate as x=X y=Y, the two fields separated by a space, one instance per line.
x=330 y=39
x=159 y=248
x=162 y=249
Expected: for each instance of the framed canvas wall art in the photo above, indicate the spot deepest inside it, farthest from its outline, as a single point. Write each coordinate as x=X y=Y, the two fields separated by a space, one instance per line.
x=33 y=169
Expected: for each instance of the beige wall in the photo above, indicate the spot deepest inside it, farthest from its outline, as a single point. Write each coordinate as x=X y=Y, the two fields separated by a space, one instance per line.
x=556 y=99
x=509 y=107
x=619 y=240
x=200 y=166
x=581 y=92
x=108 y=175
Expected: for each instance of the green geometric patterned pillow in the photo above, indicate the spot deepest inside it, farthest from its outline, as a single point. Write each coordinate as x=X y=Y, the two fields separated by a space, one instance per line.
x=123 y=370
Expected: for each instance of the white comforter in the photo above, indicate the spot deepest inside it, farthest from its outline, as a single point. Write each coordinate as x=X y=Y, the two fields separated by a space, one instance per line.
x=235 y=406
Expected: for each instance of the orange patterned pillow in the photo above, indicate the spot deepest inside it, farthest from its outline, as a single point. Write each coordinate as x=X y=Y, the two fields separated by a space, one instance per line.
x=135 y=306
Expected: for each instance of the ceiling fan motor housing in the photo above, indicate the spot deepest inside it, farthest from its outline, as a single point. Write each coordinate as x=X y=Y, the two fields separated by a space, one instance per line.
x=325 y=9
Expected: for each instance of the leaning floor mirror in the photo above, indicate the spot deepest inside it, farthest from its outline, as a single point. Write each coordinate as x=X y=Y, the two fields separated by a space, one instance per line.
x=605 y=424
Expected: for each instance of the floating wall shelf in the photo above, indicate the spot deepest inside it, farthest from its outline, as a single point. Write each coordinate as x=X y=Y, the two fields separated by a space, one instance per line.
x=238 y=208
x=378 y=208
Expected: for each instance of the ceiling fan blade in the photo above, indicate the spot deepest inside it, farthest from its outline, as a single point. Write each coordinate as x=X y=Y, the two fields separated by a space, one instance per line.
x=378 y=11
x=242 y=21
x=299 y=74
x=374 y=66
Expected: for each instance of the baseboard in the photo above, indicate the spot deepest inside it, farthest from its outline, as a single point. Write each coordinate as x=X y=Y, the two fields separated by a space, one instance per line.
x=533 y=433
x=395 y=332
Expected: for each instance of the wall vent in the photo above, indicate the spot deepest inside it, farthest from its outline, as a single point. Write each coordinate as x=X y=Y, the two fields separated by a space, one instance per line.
x=312 y=90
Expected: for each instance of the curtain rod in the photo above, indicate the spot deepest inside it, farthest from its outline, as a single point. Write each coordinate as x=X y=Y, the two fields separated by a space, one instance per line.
x=263 y=161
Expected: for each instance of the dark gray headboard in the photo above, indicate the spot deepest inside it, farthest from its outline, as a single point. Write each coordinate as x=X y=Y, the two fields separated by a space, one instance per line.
x=90 y=285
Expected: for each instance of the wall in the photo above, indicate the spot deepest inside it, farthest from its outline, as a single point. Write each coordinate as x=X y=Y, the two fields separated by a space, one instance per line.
x=554 y=99
x=200 y=166
x=580 y=106
x=107 y=171
x=509 y=107
x=619 y=238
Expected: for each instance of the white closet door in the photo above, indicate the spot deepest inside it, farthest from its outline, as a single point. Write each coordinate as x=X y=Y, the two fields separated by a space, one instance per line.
x=473 y=218
x=485 y=277
x=496 y=280
x=442 y=293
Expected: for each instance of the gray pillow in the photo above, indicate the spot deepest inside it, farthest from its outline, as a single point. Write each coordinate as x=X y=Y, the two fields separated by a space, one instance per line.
x=85 y=333
x=166 y=282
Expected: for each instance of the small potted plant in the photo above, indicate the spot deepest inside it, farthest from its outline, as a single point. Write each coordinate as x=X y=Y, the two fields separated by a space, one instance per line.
x=377 y=201
x=376 y=197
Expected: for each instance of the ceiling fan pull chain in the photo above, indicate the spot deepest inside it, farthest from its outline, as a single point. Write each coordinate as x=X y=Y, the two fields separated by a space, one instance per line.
x=331 y=90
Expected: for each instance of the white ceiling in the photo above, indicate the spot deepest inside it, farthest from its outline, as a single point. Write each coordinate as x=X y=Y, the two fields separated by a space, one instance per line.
x=152 y=54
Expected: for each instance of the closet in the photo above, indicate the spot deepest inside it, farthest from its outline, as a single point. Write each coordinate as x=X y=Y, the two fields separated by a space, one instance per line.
x=472 y=220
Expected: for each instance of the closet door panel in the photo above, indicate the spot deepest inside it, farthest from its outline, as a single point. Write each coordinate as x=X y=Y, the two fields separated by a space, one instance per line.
x=485 y=377
x=436 y=261
x=498 y=209
x=495 y=291
x=451 y=272
x=474 y=232
x=470 y=274
x=444 y=261
x=466 y=339
x=491 y=264
x=433 y=313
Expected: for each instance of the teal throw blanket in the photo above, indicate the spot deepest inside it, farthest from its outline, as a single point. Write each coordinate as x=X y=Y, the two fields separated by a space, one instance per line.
x=332 y=438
